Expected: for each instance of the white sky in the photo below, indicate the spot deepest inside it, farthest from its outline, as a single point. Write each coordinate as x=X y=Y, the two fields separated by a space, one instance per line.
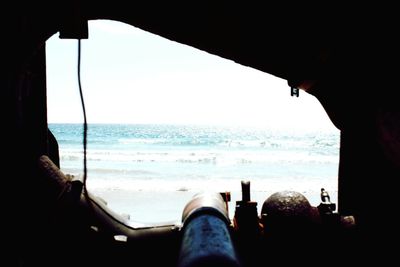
x=132 y=76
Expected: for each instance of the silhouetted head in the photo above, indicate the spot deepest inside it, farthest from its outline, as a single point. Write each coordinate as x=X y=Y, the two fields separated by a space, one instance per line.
x=286 y=212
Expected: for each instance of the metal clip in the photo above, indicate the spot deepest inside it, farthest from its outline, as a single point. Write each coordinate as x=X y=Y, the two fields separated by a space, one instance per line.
x=326 y=206
x=294 y=91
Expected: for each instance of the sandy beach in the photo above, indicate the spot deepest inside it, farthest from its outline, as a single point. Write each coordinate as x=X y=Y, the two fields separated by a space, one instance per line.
x=167 y=207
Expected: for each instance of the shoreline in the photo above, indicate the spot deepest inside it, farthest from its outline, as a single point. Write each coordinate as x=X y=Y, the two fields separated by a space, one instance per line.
x=167 y=206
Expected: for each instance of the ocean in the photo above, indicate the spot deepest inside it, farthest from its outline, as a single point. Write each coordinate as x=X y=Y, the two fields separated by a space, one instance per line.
x=150 y=172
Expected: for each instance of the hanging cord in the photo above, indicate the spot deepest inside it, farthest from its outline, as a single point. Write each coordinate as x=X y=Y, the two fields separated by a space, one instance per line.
x=85 y=192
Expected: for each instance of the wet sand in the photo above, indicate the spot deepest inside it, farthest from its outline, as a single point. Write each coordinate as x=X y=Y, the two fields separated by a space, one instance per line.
x=167 y=206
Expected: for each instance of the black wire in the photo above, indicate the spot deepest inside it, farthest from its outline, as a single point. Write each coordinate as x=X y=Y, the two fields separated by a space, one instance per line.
x=84 y=122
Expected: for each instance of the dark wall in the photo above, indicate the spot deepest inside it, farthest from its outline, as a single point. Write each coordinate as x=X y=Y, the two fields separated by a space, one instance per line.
x=348 y=52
